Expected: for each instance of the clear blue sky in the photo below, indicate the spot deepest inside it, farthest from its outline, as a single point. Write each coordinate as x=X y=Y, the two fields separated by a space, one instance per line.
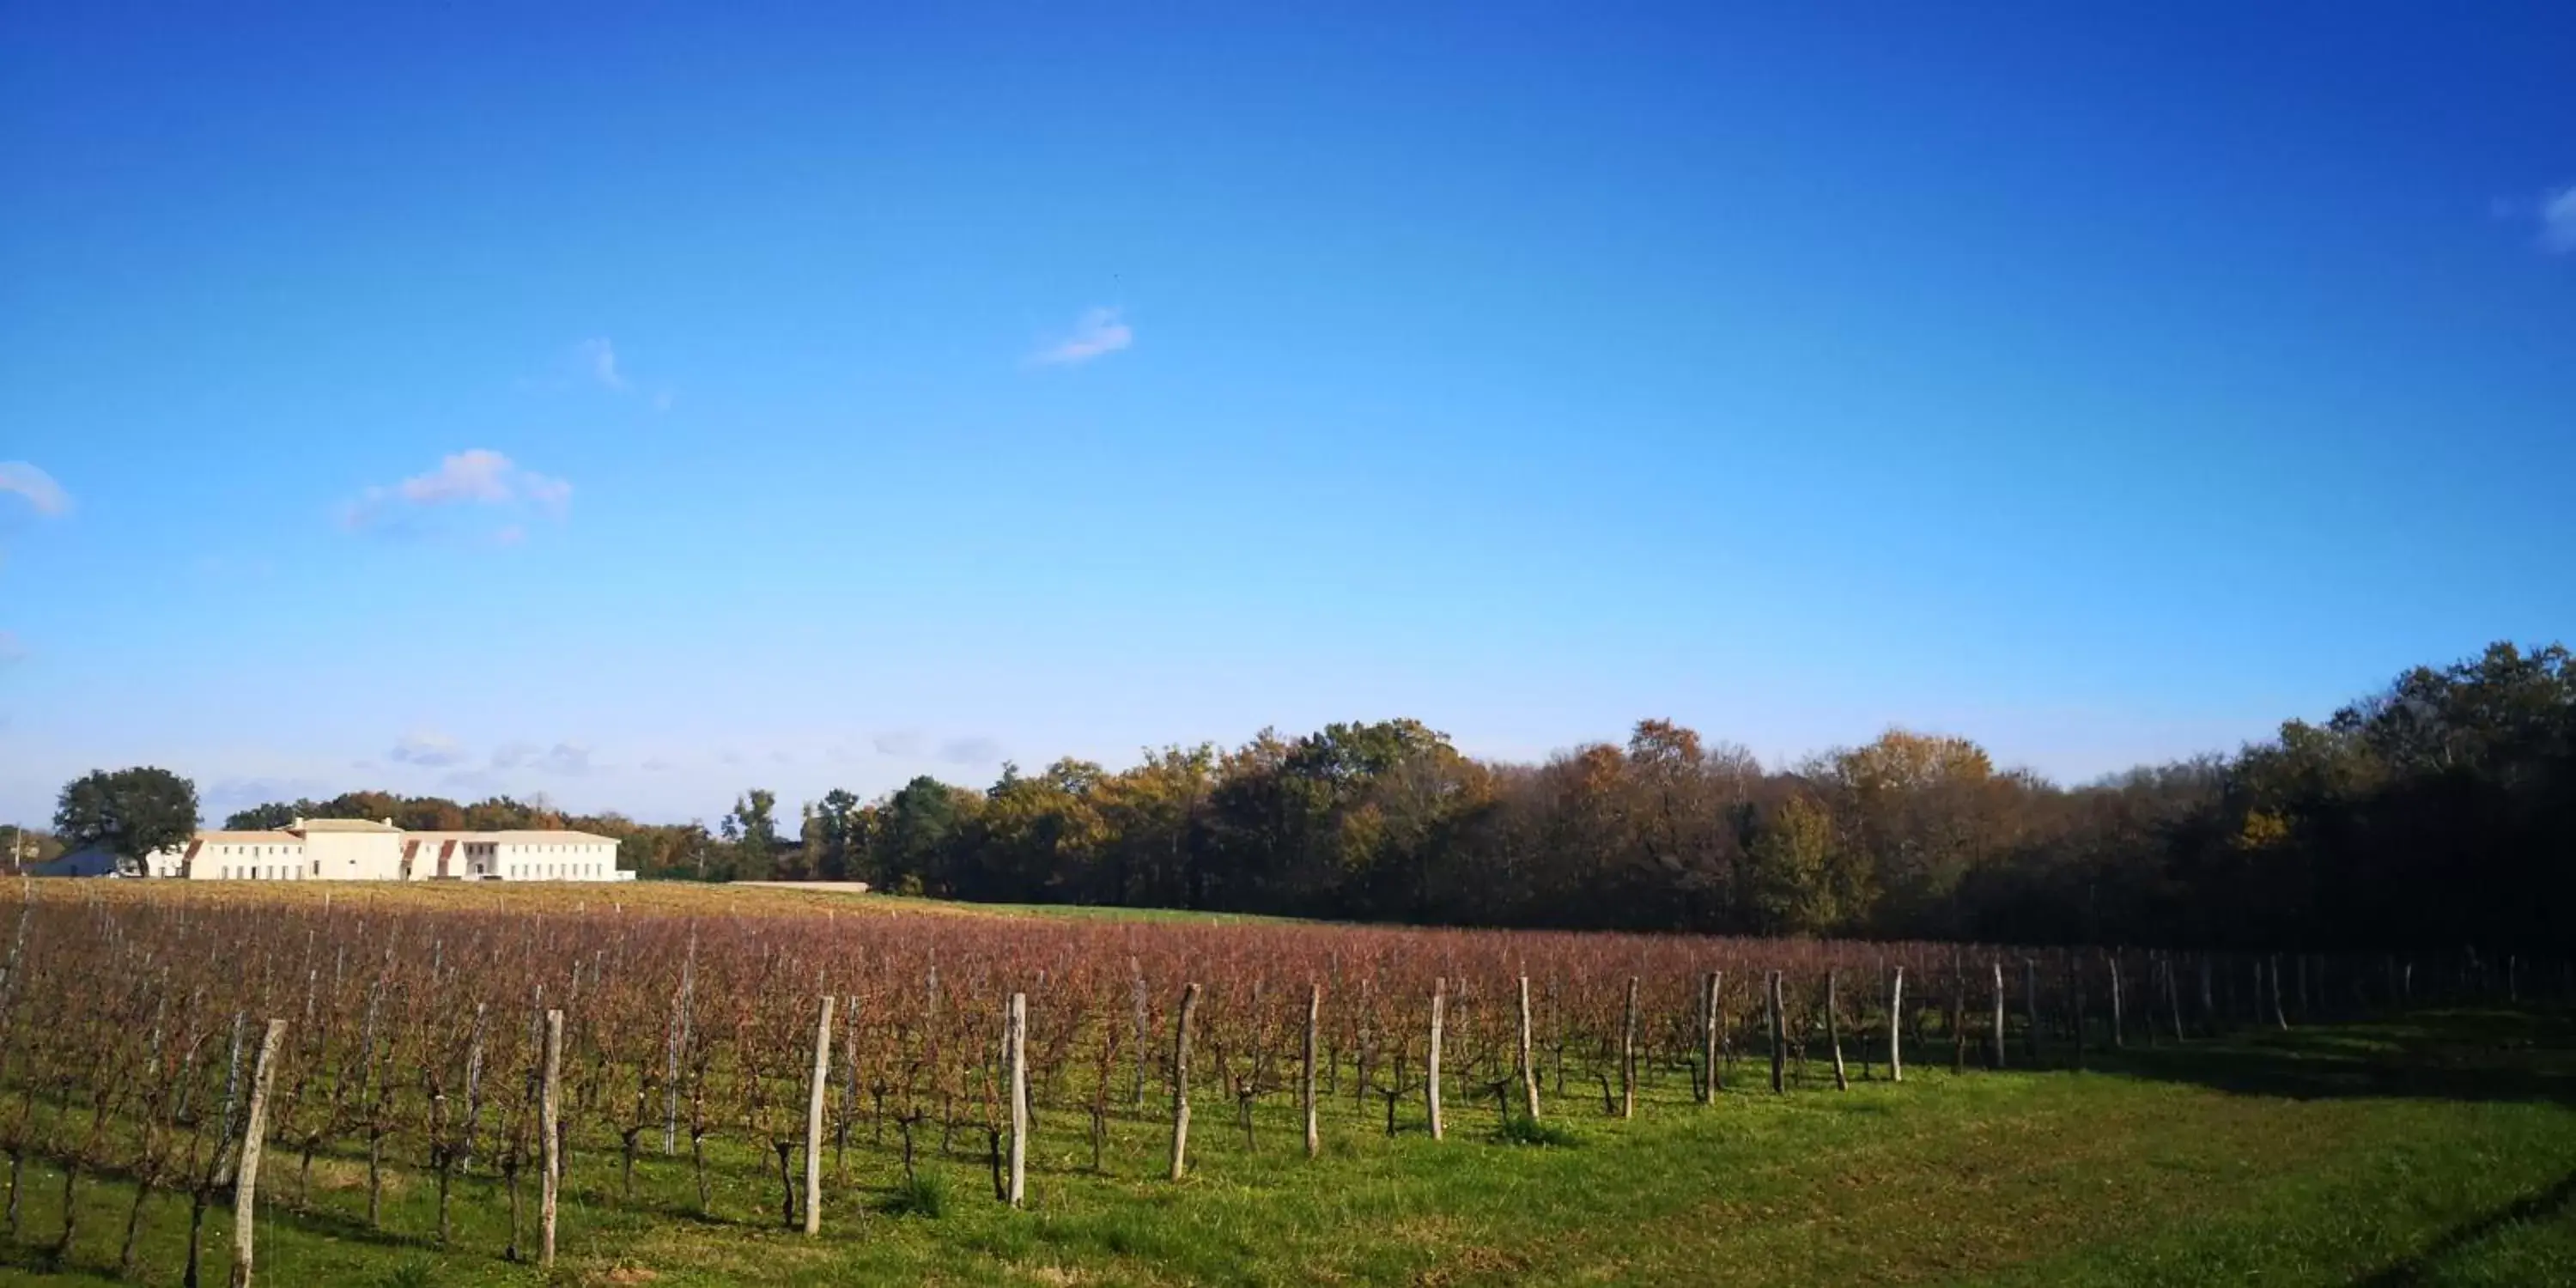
x=634 y=403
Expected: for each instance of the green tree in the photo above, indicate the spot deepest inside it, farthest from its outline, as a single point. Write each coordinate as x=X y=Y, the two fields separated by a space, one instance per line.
x=753 y=829
x=842 y=822
x=917 y=832
x=130 y=812
x=269 y=817
x=1789 y=870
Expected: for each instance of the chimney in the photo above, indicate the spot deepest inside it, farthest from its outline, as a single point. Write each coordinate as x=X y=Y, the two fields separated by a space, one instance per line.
x=389 y=822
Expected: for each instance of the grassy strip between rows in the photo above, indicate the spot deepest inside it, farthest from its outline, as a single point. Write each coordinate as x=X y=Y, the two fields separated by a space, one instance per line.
x=2440 y=1148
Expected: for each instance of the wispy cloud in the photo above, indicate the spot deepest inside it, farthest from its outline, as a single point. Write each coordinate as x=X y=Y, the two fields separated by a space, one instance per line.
x=897 y=742
x=2553 y=212
x=595 y=363
x=469 y=783
x=657 y=765
x=598 y=357
x=260 y=791
x=2558 y=221
x=1096 y=333
x=477 y=477
x=971 y=751
x=38 y=487
x=10 y=649
x=562 y=758
x=428 y=749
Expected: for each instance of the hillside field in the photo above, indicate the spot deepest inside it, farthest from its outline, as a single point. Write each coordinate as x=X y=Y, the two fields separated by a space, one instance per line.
x=2430 y=1146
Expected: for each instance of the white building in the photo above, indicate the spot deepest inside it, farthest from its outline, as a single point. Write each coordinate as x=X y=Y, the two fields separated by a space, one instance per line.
x=354 y=849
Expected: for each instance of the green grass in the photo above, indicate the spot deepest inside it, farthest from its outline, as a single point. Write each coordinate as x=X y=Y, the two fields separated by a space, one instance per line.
x=2435 y=1149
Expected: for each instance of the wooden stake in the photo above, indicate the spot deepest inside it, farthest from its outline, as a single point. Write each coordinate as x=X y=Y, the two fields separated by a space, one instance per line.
x=1896 y=1030
x=814 y=1120
x=1136 y=1096
x=1529 y=1065
x=2118 y=1038
x=1015 y=1053
x=550 y=1121
x=1439 y=1013
x=1834 y=1034
x=2075 y=993
x=254 y=1139
x=1999 y=1015
x=1314 y=1033
x=1181 y=1080
x=1708 y=1037
x=1628 y=1056
x=1779 y=1038
x=2030 y=1008
x=2173 y=998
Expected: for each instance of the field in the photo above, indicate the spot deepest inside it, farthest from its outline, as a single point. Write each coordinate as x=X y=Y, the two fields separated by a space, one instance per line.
x=2414 y=1123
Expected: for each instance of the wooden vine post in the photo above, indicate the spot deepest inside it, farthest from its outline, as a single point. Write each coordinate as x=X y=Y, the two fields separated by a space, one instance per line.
x=1834 y=1034
x=1779 y=1038
x=2173 y=999
x=1628 y=1056
x=1015 y=1053
x=2119 y=1039
x=1314 y=1035
x=550 y=1123
x=2075 y=995
x=1181 y=1080
x=1709 y=986
x=814 y=1119
x=1529 y=1065
x=254 y=1139
x=1439 y=1014
x=1136 y=999
x=2030 y=1008
x=1896 y=1027
x=1999 y=1014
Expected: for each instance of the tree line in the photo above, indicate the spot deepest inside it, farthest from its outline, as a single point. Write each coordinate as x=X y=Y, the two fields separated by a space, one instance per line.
x=2439 y=812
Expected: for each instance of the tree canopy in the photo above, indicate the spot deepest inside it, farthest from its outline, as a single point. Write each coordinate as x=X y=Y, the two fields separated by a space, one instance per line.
x=128 y=812
x=2439 y=812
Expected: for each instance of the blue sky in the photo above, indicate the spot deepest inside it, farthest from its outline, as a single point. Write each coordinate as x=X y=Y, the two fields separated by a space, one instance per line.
x=636 y=403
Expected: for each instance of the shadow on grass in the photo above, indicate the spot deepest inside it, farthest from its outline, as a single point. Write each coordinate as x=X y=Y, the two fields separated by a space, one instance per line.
x=2530 y=1207
x=2458 y=1055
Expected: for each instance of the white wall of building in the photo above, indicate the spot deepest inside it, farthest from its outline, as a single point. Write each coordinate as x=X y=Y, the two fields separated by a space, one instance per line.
x=356 y=850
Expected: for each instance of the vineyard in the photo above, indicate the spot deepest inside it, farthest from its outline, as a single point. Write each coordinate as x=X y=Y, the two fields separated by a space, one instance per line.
x=809 y=1071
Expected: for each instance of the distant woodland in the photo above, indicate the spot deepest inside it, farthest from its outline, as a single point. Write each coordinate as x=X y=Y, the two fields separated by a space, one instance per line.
x=2438 y=813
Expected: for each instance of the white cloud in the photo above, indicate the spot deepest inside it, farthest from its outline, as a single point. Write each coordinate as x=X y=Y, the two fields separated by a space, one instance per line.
x=474 y=477
x=37 y=486
x=657 y=765
x=1095 y=333
x=227 y=792
x=469 y=783
x=598 y=357
x=427 y=748
x=562 y=758
x=10 y=649
x=2558 y=221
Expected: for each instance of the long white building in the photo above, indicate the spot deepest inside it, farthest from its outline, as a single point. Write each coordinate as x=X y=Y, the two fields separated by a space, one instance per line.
x=356 y=849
